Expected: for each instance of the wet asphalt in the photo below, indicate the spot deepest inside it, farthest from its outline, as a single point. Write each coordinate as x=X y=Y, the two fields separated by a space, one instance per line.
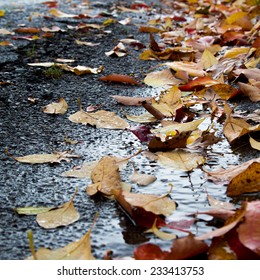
x=25 y=129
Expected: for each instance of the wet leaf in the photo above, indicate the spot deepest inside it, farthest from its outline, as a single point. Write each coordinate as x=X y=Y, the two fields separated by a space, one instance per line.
x=220 y=250
x=144 y=118
x=77 y=250
x=162 y=235
x=56 y=157
x=180 y=160
x=64 y=215
x=100 y=119
x=217 y=204
x=105 y=177
x=249 y=230
x=118 y=78
x=226 y=175
x=142 y=132
x=247 y=181
x=169 y=143
x=59 y=107
x=31 y=210
x=142 y=179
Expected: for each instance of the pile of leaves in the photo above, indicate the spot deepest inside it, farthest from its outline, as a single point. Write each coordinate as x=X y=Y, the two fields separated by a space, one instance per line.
x=207 y=56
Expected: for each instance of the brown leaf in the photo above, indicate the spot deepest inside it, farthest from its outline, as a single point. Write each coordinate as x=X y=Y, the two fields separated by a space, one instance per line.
x=253 y=92
x=59 y=107
x=62 y=216
x=247 y=181
x=28 y=30
x=142 y=179
x=100 y=119
x=220 y=250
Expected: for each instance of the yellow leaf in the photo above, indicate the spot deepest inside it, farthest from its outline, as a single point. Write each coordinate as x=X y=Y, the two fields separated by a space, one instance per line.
x=180 y=160
x=100 y=119
x=2 y=13
x=163 y=78
x=160 y=234
x=46 y=158
x=59 y=107
x=64 y=215
x=78 y=250
x=168 y=102
x=31 y=210
x=208 y=59
x=254 y=144
x=247 y=181
x=234 y=52
x=235 y=16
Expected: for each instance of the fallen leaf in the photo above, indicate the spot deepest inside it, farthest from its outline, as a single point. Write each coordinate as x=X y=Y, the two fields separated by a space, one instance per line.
x=6 y=32
x=119 y=50
x=56 y=157
x=118 y=78
x=77 y=250
x=2 y=13
x=83 y=171
x=162 y=235
x=219 y=250
x=144 y=118
x=217 y=91
x=190 y=67
x=60 y=14
x=142 y=179
x=226 y=175
x=254 y=144
x=249 y=73
x=28 y=30
x=180 y=160
x=31 y=210
x=217 y=204
x=64 y=215
x=208 y=59
x=253 y=92
x=130 y=101
x=105 y=177
x=100 y=119
x=247 y=181
x=142 y=132
x=59 y=107
x=249 y=230
x=198 y=83
x=89 y=44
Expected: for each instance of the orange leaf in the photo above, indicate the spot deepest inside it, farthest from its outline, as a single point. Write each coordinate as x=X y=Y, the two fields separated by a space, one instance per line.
x=198 y=83
x=118 y=78
x=28 y=30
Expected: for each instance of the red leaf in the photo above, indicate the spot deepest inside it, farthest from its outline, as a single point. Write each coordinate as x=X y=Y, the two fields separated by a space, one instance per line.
x=118 y=78
x=149 y=252
x=142 y=132
x=198 y=83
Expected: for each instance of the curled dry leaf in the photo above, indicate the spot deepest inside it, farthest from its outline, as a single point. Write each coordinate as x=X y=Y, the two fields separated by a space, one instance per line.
x=100 y=119
x=253 y=92
x=119 y=51
x=59 y=107
x=31 y=210
x=62 y=216
x=56 y=157
x=160 y=234
x=254 y=144
x=77 y=250
x=191 y=68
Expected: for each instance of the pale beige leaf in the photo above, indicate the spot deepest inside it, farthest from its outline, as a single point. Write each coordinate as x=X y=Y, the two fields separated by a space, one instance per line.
x=78 y=250
x=42 y=64
x=80 y=69
x=254 y=144
x=249 y=73
x=159 y=205
x=31 y=210
x=190 y=67
x=64 y=215
x=142 y=179
x=46 y=158
x=59 y=107
x=130 y=101
x=57 y=13
x=163 y=78
x=100 y=119
x=208 y=59
x=217 y=204
x=144 y=118
x=89 y=44
x=180 y=160
x=253 y=92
